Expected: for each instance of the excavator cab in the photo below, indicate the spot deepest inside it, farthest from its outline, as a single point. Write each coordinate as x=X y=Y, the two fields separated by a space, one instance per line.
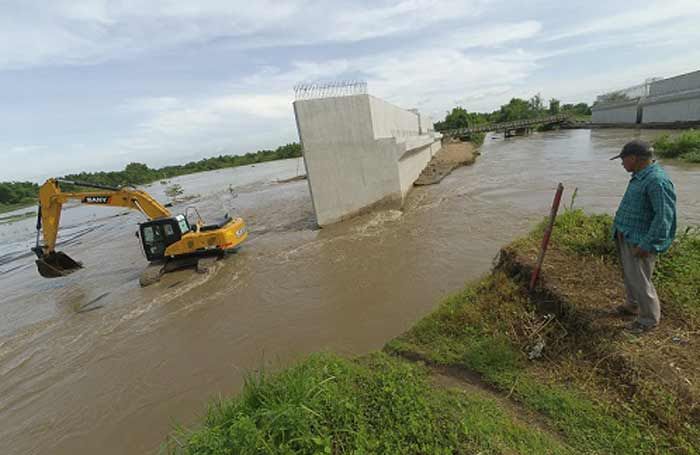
x=157 y=235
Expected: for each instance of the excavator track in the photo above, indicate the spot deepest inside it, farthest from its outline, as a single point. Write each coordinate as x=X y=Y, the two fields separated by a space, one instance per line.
x=151 y=274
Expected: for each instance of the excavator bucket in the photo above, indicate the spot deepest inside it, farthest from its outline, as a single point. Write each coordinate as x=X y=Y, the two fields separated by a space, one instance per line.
x=57 y=264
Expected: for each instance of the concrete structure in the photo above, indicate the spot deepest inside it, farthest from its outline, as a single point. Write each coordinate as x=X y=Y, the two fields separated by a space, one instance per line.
x=656 y=102
x=676 y=99
x=620 y=106
x=621 y=112
x=512 y=128
x=361 y=151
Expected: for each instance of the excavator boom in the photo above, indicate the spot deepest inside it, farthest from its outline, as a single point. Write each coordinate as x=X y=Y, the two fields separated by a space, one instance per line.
x=166 y=239
x=51 y=263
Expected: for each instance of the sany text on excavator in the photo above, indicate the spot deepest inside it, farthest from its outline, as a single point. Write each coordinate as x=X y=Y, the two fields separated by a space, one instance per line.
x=169 y=242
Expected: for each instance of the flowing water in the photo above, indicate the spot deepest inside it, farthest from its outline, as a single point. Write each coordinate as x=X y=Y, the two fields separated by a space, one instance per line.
x=93 y=363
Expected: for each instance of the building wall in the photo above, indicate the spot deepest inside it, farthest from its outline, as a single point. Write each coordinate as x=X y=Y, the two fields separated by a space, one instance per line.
x=676 y=99
x=681 y=83
x=359 y=151
x=617 y=113
x=672 y=109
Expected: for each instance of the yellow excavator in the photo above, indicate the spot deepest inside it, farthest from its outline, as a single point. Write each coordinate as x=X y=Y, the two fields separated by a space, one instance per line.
x=169 y=242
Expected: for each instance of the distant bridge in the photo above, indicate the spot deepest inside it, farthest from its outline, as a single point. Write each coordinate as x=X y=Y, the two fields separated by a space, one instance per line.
x=516 y=127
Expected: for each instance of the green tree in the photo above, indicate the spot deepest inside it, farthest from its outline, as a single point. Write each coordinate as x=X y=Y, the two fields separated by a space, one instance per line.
x=516 y=109
x=536 y=104
x=7 y=194
x=582 y=109
x=458 y=118
x=554 y=106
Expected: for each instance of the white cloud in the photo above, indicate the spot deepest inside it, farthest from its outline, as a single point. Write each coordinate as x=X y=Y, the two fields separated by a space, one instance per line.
x=489 y=35
x=637 y=17
x=93 y=31
x=428 y=78
x=361 y=22
x=151 y=104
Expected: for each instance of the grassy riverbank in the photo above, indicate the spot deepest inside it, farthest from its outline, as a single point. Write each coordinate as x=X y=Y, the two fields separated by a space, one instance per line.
x=18 y=217
x=685 y=146
x=14 y=195
x=4 y=208
x=496 y=369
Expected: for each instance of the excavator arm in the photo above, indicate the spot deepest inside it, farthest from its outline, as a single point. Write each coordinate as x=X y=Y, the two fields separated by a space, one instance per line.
x=51 y=199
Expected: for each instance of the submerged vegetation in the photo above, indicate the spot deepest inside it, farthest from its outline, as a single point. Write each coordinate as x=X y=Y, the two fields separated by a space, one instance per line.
x=543 y=372
x=20 y=194
x=685 y=146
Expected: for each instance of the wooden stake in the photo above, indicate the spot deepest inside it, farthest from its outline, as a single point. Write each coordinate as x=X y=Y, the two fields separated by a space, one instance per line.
x=547 y=235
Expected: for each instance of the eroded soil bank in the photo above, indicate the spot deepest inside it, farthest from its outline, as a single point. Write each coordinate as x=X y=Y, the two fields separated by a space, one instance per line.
x=497 y=369
x=453 y=154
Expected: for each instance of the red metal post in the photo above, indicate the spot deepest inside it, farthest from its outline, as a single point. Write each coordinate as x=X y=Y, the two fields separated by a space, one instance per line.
x=547 y=235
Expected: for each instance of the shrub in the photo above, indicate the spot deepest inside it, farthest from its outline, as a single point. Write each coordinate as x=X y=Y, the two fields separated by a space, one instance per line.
x=685 y=146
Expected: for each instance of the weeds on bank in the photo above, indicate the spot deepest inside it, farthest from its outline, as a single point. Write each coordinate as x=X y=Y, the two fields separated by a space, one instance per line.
x=577 y=233
x=685 y=146
x=475 y=138
x=489 y=328
x=483 y=330
x=677 y=274
x=378 y=404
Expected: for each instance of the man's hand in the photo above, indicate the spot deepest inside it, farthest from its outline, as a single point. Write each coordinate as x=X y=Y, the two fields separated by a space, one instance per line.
x=640 y=253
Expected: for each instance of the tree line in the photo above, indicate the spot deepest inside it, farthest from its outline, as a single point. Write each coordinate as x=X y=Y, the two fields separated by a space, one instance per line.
x=15 y=193
x=516 y=109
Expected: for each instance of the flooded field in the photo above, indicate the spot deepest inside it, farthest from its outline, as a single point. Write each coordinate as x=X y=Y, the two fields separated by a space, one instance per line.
x=93 y=363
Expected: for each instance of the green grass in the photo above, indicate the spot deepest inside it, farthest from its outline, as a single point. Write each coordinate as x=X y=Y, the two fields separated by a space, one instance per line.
x=685 y=146
x=476 y=138
x=578 y=233
x=377 y=404
x=471 y=330
x=677 y=274
x=484 y=329
x=4 y=208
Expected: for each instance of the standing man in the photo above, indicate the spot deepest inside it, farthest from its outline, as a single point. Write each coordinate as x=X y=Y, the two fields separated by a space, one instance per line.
x=645 y=225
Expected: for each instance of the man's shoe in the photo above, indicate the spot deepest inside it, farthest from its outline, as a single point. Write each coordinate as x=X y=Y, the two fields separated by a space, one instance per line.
x=637 y=328
x=626 y=310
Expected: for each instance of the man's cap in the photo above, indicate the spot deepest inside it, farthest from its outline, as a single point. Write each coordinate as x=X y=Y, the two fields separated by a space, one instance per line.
x=636 y=147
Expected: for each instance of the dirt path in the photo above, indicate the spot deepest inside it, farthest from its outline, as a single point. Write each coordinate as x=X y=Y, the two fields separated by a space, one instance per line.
x=465 y=380
x=453 y=154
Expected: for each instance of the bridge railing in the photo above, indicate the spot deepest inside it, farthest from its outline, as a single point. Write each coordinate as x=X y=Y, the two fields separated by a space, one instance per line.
x=512 y=125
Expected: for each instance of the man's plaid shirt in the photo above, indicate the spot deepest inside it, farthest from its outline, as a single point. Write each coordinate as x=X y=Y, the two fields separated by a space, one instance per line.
x=647 y=213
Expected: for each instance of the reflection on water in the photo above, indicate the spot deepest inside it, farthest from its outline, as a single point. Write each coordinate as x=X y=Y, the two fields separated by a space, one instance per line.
x=112 y=379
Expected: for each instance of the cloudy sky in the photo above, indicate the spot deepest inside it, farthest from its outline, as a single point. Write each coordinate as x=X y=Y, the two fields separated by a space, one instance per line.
x=95 y=84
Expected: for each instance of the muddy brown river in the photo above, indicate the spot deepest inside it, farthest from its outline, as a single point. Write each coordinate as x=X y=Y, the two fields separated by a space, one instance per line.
x=93 y=363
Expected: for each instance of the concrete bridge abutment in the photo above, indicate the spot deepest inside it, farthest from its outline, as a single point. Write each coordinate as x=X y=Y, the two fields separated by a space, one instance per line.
x=361 y=152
